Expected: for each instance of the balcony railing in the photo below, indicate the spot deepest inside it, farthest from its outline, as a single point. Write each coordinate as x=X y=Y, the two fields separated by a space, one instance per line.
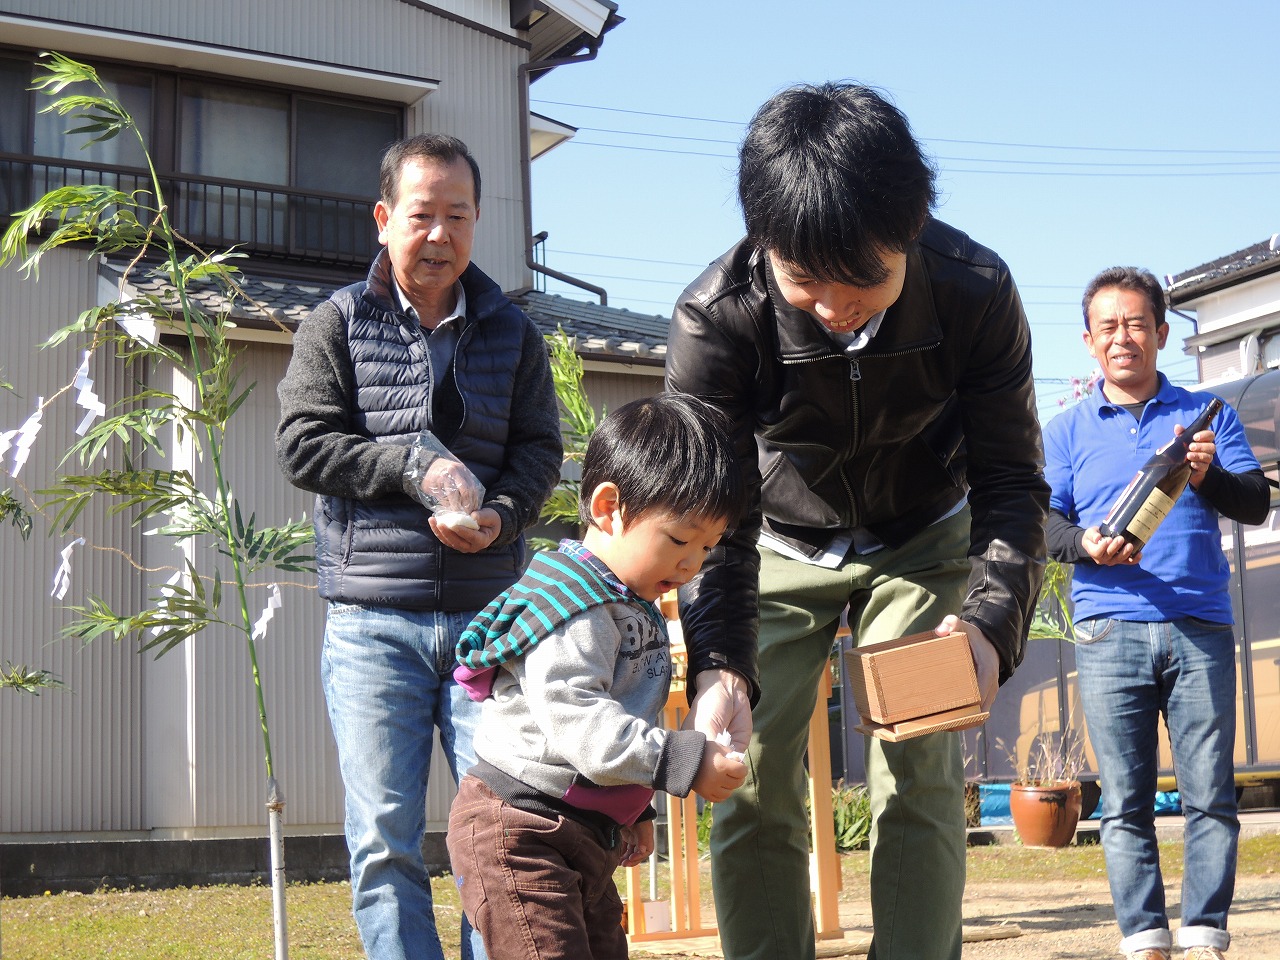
x=262 y=220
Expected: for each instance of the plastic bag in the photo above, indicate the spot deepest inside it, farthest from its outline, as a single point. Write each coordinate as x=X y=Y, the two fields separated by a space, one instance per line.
x=442 y=483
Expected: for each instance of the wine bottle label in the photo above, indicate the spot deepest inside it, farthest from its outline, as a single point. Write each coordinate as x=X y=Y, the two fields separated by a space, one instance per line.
x=1153 y=510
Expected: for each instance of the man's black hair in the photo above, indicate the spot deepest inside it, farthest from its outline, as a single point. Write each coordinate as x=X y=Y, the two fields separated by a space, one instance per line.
x=425 y=146
x=669 y=453
x=1134 y=279
x=830 y=179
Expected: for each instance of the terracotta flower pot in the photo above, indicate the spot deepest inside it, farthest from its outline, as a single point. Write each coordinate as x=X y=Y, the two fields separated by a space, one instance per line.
x=1045 y=814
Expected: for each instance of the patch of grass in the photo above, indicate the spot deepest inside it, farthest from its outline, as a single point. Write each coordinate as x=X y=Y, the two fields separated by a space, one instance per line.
x=1259 y=855
x=196 y=923
x=234 y=923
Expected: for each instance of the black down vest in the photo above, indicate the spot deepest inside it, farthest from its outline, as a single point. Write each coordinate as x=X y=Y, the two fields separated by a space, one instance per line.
x=382 y=552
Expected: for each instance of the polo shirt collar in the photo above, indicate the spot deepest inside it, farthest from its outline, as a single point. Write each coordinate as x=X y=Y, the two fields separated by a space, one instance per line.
x=1165 y=393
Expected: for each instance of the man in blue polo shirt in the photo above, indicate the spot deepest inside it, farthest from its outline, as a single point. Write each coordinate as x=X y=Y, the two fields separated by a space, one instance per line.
x=1153 y=627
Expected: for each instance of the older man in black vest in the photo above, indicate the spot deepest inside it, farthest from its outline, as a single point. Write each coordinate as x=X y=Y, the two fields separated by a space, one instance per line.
x=427 y=347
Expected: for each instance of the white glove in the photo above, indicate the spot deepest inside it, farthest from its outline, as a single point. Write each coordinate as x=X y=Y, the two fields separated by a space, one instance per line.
x=721 y=705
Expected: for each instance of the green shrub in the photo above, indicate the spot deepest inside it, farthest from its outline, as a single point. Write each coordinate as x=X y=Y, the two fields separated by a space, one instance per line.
x=851 y=810
x=850 y=813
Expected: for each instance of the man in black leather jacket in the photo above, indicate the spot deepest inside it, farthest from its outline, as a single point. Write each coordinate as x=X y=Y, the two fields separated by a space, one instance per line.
x=876 y=366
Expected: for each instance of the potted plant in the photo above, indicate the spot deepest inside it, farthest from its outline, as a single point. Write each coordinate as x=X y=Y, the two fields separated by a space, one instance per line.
x=1045 y=799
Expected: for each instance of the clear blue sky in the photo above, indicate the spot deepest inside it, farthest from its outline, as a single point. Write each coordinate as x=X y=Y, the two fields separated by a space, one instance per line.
x=1068 y=137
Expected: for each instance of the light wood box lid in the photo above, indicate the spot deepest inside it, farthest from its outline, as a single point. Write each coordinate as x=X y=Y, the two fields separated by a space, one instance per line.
x=911 y=677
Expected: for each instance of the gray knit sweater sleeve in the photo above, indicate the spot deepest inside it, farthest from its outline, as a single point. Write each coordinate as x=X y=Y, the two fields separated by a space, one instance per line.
x=317 y=444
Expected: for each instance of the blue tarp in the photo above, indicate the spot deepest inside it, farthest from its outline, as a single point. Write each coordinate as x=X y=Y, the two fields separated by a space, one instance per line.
x=994 y=798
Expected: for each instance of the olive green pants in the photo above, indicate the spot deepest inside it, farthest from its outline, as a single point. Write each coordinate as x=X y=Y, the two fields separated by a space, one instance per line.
x=760 y=837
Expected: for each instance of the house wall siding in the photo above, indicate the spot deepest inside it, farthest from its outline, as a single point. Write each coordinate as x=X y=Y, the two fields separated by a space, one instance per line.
x=205 y=749
x=73 y=757
x=608 y=391
x=170 y=746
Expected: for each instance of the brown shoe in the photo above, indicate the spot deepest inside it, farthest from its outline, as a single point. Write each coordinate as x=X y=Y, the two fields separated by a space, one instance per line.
x=1204 y=953
x=1151 y=953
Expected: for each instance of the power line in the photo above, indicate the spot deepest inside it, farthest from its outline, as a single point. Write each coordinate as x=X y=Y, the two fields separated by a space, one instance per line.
x=1056 y=163
x=684 y=283
x=1055 y=173
x=982 y=143
x=640 y=113
x=615 y=256
x=702 y=264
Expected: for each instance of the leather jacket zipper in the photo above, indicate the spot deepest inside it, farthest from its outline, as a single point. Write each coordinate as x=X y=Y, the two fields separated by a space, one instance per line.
x=855 y=375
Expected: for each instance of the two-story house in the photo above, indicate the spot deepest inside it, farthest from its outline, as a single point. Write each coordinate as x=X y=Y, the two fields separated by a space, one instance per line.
x=265 y=122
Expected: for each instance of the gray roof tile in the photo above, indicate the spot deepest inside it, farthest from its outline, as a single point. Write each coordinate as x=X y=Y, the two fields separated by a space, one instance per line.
x=605 y=331
x=267 y=302
x=1261 y=257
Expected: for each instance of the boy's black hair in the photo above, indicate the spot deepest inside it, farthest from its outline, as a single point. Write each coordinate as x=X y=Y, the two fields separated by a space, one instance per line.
x=425 y=146
x=668 y=453
x=830 y=179
x=1134 y=279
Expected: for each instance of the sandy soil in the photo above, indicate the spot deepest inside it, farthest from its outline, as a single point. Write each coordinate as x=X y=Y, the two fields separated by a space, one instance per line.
x=1077 y=923
x=1073 y=922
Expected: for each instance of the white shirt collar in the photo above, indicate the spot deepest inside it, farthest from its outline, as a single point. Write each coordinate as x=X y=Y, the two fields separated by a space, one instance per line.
x=858 y=340
x=459 y=307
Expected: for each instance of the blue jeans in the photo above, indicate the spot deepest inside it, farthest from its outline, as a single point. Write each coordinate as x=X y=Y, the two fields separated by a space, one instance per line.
x=388 y=681
x=1131 y=673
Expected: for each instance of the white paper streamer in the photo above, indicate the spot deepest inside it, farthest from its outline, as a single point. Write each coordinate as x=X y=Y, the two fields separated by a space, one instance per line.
x=165 y=593
x=86 y=397
x=140 y=328
x=274 y=603
x=62 y=577
x=26 y=436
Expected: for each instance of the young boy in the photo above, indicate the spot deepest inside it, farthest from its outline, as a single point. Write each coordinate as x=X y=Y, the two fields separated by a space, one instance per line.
x=573 y=666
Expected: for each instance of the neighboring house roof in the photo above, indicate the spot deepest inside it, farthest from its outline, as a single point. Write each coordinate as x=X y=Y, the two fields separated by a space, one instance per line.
x=269 y=303
x=1260 y=258
x=602 y=332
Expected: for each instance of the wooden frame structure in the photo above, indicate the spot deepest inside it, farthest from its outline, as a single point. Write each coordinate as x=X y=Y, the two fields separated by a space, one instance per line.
x=686 y=920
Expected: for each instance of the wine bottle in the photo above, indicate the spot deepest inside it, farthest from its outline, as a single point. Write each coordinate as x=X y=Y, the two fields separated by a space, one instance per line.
x=1154 y=489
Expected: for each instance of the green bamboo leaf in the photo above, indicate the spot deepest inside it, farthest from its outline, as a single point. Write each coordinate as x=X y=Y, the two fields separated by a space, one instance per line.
x=95 y=620
x=12 y=510
x=103 y=220
x=60 y=72
x=240 y=398
x=69 y=508
x=17 y=676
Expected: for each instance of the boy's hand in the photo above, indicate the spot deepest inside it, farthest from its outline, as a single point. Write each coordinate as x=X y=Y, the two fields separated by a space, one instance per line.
x=637 y=843
x=719 y=774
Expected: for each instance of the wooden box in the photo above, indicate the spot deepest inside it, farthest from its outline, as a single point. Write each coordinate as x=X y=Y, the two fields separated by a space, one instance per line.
x=915 y=685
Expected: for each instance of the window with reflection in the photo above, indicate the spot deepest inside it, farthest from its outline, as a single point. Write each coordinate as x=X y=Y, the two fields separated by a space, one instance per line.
x=276 y=171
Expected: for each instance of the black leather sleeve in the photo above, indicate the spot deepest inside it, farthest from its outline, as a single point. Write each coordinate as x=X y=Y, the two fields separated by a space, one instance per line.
x=1008 y=495
x=719 y=608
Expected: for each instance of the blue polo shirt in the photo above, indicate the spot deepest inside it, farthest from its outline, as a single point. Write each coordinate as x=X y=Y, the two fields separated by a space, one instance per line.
x=1091 y=453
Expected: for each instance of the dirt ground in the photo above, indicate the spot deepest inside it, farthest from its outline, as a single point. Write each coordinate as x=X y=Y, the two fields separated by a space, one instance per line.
x=1072 y=922
x=1078 y=923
